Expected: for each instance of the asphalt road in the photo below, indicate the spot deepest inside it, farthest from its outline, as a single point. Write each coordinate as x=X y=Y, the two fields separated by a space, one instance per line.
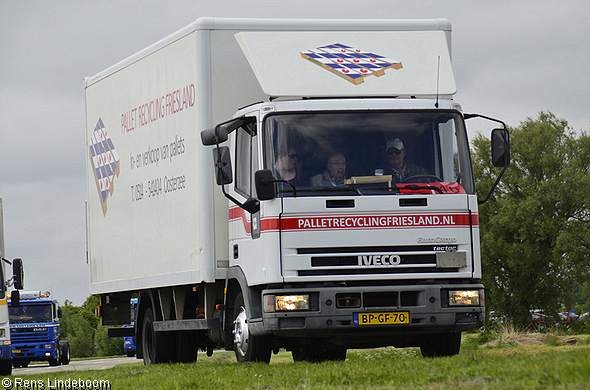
x=75 y=365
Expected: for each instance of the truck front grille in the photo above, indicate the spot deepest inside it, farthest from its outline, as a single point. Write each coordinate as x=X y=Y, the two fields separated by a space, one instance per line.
x=29 y=335
x=414 y=259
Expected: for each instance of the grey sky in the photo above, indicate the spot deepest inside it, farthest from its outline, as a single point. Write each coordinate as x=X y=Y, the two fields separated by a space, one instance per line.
x=511 y=59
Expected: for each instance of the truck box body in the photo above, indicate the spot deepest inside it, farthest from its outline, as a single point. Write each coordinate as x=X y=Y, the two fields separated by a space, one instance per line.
x=155 y=214
x=184 y=224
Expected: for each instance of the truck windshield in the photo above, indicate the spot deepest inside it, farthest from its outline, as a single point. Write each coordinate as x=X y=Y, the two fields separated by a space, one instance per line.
x=375 y=152
x=30 y=313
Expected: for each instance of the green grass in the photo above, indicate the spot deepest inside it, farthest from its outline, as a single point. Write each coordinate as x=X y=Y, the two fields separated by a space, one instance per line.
x=561 y=366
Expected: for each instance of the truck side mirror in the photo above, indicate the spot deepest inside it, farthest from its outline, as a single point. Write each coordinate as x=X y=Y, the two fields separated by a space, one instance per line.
x=15 y=298
x=223 y=172
x=19 y=273
x=500 y=148
x=59 y=313
x=265 y=184
x=214 y=136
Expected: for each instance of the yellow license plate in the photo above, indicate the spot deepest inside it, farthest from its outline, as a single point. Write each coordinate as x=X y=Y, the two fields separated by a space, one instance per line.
x=384 y=318
x=16 y=351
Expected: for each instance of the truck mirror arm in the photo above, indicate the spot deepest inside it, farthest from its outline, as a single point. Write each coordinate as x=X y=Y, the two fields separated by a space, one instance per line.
x=251 y=205
x=219 y=133
x=18 y=276
x=500 y=150
x=479 y=201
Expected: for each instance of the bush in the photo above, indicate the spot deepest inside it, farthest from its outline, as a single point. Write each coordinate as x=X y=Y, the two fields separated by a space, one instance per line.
x=105 y=345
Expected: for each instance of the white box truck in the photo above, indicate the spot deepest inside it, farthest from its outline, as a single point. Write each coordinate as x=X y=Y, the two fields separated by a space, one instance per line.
x=281 y=183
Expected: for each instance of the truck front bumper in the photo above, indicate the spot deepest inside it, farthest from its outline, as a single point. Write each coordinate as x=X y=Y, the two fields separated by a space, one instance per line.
x=5 y=351
x=333 y=314
x=34 y=352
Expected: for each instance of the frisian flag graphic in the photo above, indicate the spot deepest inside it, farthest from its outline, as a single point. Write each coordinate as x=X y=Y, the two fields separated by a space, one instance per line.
x=350 y=63
x=105 y=162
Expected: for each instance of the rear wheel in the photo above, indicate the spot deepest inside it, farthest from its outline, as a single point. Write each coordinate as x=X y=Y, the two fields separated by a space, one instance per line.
x=444 y=344
x=187 y=347
x=156 y=347
x=248 y=348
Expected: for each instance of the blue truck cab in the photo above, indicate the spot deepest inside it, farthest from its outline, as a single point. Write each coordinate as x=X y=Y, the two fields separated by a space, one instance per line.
x=35 y=330
x=129 y=341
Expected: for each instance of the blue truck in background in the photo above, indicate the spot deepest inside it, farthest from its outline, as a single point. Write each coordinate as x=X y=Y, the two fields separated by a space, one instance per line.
x=129 y=341
x=35 y=330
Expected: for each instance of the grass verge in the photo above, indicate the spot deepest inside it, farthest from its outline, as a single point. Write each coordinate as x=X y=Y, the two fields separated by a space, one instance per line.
x=506 y=365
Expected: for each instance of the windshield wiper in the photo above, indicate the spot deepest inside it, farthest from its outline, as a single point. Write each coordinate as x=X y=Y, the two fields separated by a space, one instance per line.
x=324 y=189
x=394 y=189
x=416 y=187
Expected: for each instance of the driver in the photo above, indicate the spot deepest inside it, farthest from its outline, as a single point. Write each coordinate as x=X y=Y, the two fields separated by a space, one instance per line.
x=398 y=167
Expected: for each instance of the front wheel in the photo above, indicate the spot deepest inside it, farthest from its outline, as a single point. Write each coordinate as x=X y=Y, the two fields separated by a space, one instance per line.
x=64 y=347
x=248 y=348
x=5 y=367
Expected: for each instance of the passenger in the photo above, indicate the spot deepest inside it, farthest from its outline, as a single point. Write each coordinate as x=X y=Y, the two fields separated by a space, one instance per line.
x=398 y=167
x=284 y=168
x=334 y=175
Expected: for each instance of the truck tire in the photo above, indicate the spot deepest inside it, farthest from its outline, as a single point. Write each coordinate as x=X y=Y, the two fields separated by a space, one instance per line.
x=156 y=347
x=248 y=348
x=64 y=347
x=5 y=367
x=438 y=345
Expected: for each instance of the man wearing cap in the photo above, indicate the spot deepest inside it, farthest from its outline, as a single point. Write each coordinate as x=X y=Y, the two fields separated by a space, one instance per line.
x=398 y=167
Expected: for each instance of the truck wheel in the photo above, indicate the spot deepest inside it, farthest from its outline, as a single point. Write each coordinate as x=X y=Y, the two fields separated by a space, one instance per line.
x=248 y=348
x=156 y=349
x=445 y=344
x=187 y=347
x=5 y=367
x=64 y=347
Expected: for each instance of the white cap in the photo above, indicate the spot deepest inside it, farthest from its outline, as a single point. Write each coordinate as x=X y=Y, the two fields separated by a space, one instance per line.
x=395 y=143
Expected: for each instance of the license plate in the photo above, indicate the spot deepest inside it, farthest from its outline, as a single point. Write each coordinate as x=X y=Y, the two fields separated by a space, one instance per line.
x=384 y=318
x=16 y=351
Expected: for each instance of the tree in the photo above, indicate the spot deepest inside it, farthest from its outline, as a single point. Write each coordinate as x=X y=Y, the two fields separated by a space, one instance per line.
x=78 y=327
x=535 y=228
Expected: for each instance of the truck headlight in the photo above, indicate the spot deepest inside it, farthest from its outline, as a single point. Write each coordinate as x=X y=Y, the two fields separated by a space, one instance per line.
x=466 y=298
x=286 y=302
x=48 y=346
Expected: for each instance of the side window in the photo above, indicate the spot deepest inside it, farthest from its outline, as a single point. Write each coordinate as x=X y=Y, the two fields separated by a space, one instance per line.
x=243 y=162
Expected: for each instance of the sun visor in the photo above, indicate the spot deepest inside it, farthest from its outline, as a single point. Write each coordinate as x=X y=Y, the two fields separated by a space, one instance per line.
x=360 y=63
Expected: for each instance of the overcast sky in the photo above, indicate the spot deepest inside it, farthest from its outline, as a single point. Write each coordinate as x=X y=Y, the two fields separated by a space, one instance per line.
x=511 y=59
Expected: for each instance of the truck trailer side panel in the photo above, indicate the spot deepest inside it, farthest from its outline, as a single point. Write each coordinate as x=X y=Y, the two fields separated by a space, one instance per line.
x=150 y=181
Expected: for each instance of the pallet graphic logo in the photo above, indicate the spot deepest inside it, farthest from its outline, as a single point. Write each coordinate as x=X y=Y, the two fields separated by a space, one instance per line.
x=350 y=63
x=105 y=162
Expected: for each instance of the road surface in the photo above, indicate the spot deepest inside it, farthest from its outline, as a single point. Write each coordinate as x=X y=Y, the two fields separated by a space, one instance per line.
x=75 y=365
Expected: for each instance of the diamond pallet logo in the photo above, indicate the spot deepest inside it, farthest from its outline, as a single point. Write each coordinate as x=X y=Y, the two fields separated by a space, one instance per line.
x=350 y=63
x=105 y=162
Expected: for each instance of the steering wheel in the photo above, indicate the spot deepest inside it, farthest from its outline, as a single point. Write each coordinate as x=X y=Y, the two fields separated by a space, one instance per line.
x=408 y=179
